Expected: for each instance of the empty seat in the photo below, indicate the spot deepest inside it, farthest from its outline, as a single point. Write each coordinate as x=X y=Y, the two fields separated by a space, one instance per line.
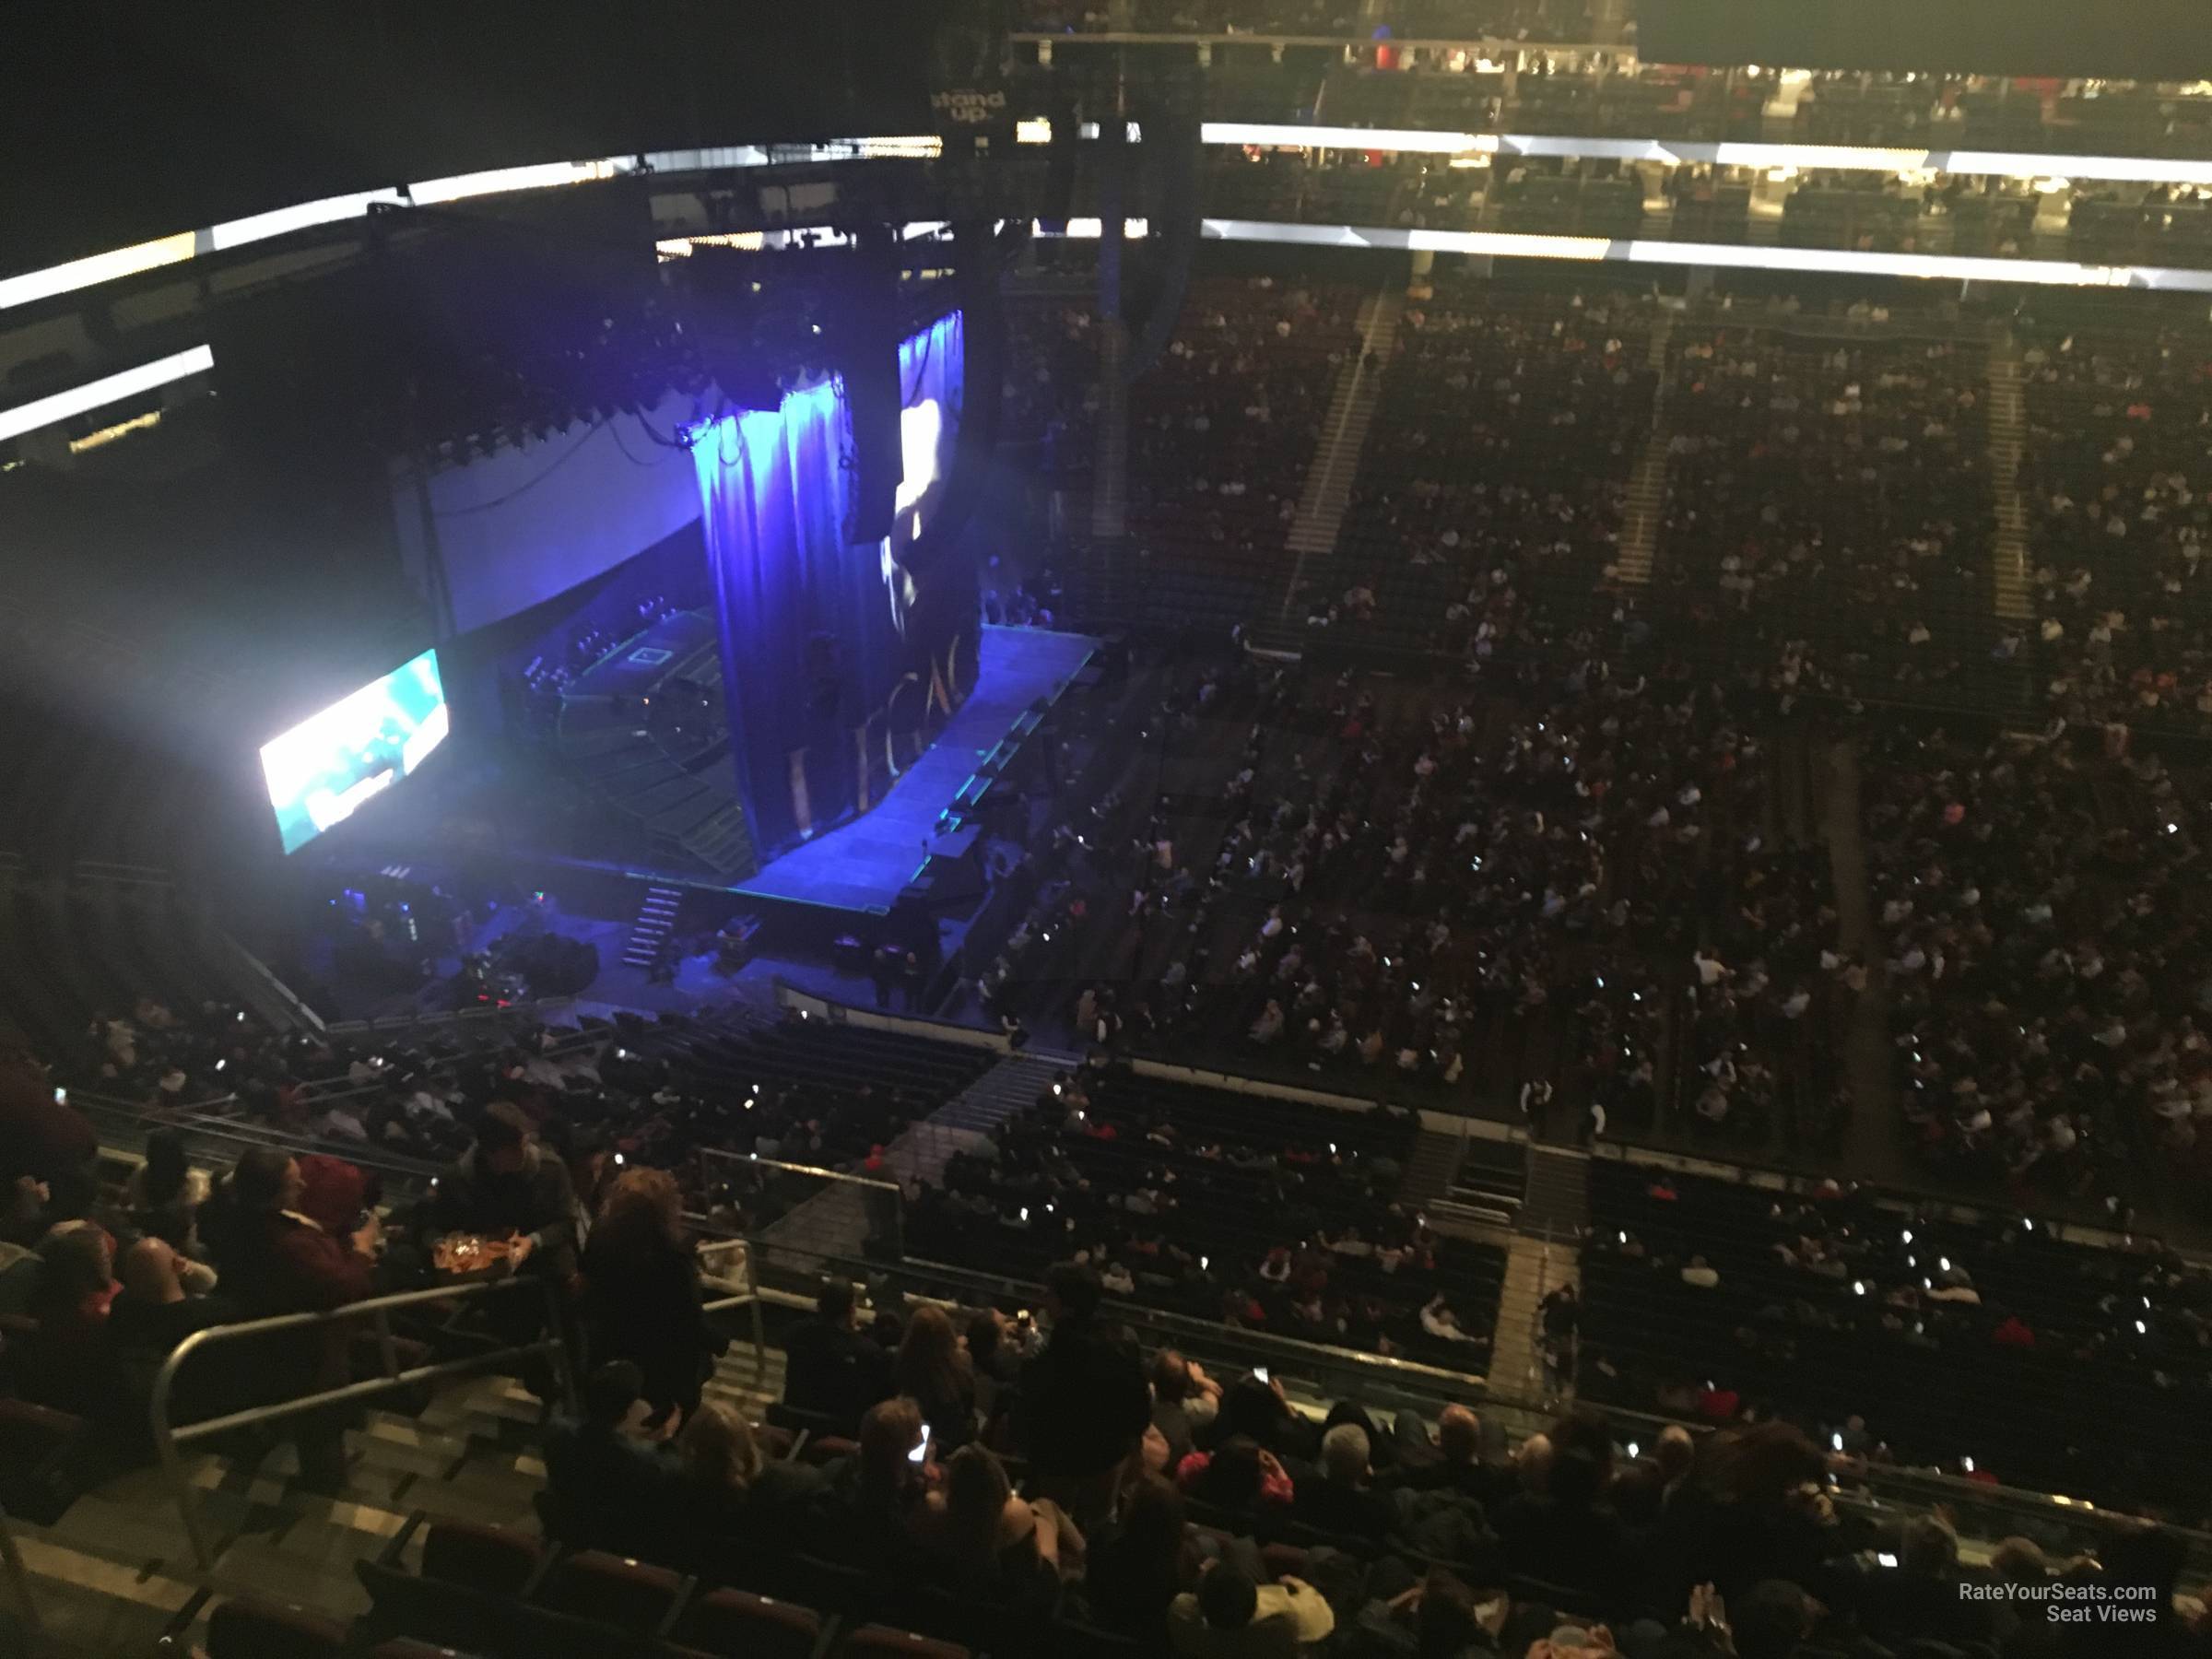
x=250 y=1630
x=38 y=1460
x=882 y=1639
x=493 y=1559
x=595 y=1584
x=464 y=1595
x=736 y=1622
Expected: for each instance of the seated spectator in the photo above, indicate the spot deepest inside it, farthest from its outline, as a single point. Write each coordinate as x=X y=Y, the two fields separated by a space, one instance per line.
x=1344 y=1500
x=1563 y=1534
x=1921 y=1596
x=608 y=1482
x=1454 y=1463
x=829 y=1367
x=718 y=1461
x=1438 y=1618
x=69 y=1361
x=163 y=1197
x=994 y=1356
x=641 y=1299
x=1237 y=1476
x=1258 y=1411
x=1231 y=1614
x=878 y=1489
x=1141 y=1563
x=1751 y=1508
x=1183 y=1400
x=149 y=1316
x=998 y=1545
x=20 y=1270
x=934 y=1371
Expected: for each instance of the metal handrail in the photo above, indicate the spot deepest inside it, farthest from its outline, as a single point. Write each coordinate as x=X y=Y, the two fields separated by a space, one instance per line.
x=753 y=1161
x=743 y=1292
x=1917 y=1486
x=168 y=1438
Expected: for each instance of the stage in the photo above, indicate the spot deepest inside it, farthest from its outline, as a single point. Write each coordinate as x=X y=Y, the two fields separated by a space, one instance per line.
x=864 y=864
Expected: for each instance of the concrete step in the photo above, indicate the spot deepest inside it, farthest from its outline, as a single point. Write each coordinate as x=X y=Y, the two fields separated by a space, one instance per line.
x=1432 y=1170
x=1336 y=467
x=1558 y=1196
x=1638 y=550
x=118 y=1566
x=1533 y=1270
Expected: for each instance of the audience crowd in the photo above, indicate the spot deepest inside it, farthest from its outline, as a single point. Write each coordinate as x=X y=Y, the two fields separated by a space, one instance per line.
x=2114 y=481
x=1897 y=1333
x=2045 y=965
x=1496 y=469
x=1811 y=478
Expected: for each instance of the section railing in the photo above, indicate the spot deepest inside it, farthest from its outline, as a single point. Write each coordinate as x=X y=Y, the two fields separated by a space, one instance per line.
x=170 y=1439
x=1384 y=1384
x=727 y=1270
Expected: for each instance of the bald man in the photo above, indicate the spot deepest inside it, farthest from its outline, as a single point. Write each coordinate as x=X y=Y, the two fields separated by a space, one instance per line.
x=1453 y=1463
x=1532 y=1464
x=152 y=1312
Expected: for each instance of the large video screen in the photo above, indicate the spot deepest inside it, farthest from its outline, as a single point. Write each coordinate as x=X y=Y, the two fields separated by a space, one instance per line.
x=322 y=771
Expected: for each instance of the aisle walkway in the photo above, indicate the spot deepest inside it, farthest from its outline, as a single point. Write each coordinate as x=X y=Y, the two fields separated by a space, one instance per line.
x=1873 y=1146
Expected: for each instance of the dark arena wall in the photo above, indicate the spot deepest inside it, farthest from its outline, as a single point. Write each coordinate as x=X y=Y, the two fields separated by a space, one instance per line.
x=214 y=112
x=2135 y=40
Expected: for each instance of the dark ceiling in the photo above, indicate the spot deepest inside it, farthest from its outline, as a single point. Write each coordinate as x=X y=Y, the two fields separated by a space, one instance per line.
x=122 y=119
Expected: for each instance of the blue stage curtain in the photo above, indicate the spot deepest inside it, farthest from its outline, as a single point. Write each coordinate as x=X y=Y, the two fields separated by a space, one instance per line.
x=817 y=644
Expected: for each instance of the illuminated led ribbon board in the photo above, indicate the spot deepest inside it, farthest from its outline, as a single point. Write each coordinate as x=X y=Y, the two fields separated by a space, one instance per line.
x=75 y=276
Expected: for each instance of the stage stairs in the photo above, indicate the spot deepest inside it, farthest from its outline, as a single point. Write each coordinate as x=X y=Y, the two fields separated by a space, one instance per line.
x=655 y=923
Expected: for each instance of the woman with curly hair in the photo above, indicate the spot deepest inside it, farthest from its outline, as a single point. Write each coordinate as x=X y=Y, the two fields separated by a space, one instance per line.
x=641 y=1299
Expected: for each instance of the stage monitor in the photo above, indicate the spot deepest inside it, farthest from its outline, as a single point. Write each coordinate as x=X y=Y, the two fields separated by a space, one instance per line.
x=322 y=771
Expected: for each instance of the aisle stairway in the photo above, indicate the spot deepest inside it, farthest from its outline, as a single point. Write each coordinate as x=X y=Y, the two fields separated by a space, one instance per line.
x=1110 y=455
x=1647 y=484
x=116 y=1570
x=838 y=1223
x=1534 y=1268
x=2007 y=433
x=1328 y=488
x=1432 y=1170
x=1557 y=1201
x=964 y=1122
x=1487 y=1185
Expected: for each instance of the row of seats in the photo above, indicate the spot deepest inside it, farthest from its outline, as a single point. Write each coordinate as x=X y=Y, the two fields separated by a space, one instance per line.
x=1970 y=1345
x=1505 y=435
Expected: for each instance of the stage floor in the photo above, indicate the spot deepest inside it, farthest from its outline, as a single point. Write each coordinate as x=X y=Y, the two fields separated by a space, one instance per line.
x=864 y=865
